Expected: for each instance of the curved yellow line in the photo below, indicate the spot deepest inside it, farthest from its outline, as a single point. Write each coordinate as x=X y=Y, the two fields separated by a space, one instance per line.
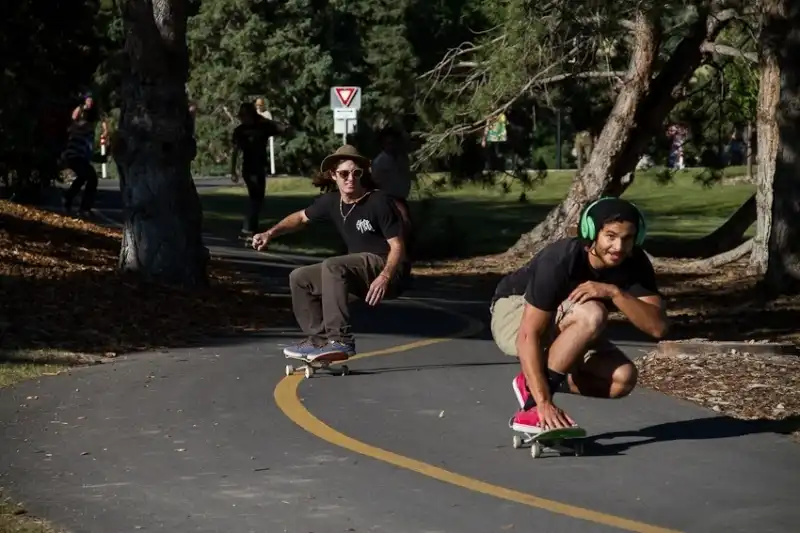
x=287 y=400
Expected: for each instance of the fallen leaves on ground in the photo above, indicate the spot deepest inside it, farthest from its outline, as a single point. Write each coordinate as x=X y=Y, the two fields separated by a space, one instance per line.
x=61 y=293
x=15 y=519
x=737 y=384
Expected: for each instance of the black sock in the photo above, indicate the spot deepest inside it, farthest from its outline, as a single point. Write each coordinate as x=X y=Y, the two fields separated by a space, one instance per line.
x=554 y=381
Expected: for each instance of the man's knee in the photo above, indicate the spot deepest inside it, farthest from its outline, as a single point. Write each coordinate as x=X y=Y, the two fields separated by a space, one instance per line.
x=591 y=316
x=300 y=276
x=624 y=380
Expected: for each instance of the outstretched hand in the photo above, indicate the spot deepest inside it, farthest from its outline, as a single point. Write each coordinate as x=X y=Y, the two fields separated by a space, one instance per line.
x=377 y=290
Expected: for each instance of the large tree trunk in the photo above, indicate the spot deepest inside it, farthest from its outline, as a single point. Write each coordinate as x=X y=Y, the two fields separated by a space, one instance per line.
x=153 y=149
x=769 y=90
x=639 y=112
x=590 y=181
x=783 y=265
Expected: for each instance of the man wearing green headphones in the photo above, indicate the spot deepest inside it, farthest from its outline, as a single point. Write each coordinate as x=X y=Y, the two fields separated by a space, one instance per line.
x=551 y=313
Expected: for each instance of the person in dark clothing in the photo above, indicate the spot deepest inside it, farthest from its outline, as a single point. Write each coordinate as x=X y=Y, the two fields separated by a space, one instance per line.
x=251 y=138
x=374 y=267
x=552 y=312
x=78 y=157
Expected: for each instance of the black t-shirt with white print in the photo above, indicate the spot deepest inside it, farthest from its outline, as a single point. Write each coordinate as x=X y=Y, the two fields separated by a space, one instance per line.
x=364 y=226
x=553 y=273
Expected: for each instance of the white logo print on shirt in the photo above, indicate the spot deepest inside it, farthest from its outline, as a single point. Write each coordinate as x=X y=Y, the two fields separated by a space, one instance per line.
x=364 y=226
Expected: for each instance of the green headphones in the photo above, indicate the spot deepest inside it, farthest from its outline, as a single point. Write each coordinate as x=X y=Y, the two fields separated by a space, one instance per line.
x=589 y=232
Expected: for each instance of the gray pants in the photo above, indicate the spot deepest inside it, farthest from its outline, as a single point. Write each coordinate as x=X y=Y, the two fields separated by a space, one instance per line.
x=321 y=294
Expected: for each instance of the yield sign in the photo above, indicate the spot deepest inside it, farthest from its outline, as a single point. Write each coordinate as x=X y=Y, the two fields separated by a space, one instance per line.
x=346 y=94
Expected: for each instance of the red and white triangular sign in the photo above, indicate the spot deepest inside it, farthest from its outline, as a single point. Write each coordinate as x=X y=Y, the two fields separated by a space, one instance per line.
x=346 y=94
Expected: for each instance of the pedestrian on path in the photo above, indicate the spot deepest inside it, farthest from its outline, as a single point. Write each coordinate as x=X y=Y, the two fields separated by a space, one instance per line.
x=79 y=155
x=552 y=312
x=251 y=138
x=375 y=267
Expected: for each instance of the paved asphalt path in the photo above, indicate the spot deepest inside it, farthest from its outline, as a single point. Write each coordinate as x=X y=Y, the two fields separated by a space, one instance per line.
x=192 y=440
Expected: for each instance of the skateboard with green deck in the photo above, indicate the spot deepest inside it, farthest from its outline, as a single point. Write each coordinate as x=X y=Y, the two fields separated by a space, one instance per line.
x=559 y=440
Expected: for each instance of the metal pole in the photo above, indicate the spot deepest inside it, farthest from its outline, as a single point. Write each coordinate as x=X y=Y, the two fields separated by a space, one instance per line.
x=272 y=155
x=558 y=138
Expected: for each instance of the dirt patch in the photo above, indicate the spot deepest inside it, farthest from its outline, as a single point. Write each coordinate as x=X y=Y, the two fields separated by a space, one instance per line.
x=737 y=384
x=63 y=296
x=15 y=519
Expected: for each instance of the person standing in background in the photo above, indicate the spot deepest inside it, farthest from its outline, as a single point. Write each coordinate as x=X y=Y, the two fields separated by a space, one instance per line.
x=391 y=173
x=251 y=138
x=79 y=154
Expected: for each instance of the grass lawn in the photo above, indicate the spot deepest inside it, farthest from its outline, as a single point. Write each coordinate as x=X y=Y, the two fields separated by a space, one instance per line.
x=475 y=220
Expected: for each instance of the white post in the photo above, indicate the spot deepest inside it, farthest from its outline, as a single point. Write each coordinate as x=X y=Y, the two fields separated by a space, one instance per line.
x=344 y=135
x=103 y=153
x=272 y=155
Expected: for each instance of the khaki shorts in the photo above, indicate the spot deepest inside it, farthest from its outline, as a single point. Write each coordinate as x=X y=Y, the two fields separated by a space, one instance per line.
x=507 y=316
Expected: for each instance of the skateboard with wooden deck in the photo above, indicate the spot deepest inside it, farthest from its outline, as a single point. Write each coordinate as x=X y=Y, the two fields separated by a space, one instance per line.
x=310 y=366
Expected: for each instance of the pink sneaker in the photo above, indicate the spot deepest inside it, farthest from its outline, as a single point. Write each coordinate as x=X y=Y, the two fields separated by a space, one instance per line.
x=526 y=422
x=520 y=389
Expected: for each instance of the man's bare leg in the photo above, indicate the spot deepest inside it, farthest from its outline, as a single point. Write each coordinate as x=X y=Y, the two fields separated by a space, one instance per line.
x=606 y=373
x=578 y=326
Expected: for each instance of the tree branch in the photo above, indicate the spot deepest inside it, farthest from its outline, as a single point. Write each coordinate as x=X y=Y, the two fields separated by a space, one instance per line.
x=712 y=262
x=727 y=50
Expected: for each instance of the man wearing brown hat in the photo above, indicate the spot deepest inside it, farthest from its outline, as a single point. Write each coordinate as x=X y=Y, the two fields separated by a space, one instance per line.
x=375 y=266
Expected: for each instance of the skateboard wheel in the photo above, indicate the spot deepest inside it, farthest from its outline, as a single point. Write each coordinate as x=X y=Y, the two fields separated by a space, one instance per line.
x=289 y=370
x=345 y=370
x=517 y=442
x=536 y=450
x=309 y=372
x=578 y=449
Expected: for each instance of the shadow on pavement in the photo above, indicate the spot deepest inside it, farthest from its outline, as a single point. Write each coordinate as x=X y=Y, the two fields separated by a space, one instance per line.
x=413 y=368
x=720 y=427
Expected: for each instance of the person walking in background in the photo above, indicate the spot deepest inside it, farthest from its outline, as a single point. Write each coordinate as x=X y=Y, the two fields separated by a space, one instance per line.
x=251 y=138
x=78 y=157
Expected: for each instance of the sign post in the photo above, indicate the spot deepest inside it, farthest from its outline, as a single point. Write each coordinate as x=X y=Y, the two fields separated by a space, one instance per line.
x=268 y=115
x=345 y=103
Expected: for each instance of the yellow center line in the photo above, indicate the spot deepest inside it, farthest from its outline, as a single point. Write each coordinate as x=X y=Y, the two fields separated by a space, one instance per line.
x=287 y=400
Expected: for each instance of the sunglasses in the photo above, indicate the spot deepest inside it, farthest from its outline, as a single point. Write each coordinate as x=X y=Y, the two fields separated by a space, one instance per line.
x=343 y=174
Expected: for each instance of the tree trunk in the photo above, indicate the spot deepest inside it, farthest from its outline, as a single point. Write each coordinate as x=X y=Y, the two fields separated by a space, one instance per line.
x=772 y=35
x=783 y=265
x=153 y=149
x=590 y=181
x=751 y=153
x=639 y=113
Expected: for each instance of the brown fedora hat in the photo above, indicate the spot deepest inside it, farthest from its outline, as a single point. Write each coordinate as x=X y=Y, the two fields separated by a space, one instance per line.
x=344 y=153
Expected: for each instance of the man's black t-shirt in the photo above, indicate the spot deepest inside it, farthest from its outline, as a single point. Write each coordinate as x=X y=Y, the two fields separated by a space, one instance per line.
x=364 y=226
x=252 y=140
x=552 y=274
